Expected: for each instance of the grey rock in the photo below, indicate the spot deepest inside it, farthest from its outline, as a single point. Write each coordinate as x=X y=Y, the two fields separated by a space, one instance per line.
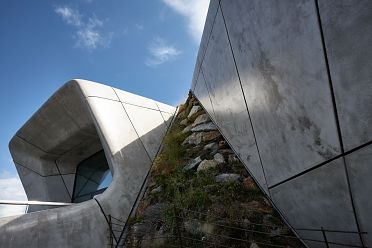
x=193 y=139
x=206 y=165
x=194 y=110
x=211 y=146
x=222 y=178
x=219 y=158
x=192 y=164
x=187 y=129
x=156 y=190
x=204 y=127
x=201 y=119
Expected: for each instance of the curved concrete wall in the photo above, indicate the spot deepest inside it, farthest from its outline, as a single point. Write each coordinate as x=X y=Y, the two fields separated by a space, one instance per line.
x=288 y=83
x=80 y=119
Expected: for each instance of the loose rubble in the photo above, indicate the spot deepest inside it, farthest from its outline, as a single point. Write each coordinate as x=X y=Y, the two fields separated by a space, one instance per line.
x=202 y=173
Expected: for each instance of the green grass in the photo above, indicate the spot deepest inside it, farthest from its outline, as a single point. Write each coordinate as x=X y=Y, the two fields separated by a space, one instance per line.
x=198 y=191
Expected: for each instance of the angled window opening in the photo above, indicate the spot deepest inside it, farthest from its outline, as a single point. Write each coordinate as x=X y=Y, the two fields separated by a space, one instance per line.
x=93 y=176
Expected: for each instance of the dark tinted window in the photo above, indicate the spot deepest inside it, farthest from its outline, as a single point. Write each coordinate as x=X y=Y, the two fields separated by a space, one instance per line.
x=93 y=176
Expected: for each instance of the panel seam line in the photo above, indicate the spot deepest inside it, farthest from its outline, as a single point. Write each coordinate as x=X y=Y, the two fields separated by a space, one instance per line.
x=245 y=100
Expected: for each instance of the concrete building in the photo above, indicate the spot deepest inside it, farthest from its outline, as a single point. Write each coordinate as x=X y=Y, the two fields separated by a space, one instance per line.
x=289 y=84
x=88 y=138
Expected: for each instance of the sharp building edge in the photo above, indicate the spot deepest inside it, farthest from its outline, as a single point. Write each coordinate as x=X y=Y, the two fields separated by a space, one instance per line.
x=80 y=120
x=288 y=83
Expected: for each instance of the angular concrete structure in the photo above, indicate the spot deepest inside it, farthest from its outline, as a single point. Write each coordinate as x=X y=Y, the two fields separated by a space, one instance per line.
x=288 y=83
x=84 y=124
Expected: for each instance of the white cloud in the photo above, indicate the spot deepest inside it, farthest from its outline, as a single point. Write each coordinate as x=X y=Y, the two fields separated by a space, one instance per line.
x=195 y=11
x=70 y=16
x=11 y=189
x=161 y=52
x=89 y=33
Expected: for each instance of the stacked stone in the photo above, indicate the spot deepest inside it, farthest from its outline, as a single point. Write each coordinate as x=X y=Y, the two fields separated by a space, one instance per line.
x=206 y=151
x=207 y=148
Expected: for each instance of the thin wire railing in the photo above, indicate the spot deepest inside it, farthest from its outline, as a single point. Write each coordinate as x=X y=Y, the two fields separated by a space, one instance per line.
x=176 y=234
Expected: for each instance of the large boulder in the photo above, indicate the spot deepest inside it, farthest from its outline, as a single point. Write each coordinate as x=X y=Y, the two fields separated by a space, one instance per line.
x=192 y=164
x=201 y=119
x=193 y=111
x=219 y=158
x=193 y=139
x=204 y=127
x=227 y=178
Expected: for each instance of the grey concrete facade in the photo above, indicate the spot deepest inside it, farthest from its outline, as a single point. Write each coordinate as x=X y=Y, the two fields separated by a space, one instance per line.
x=288 y=83
x=80 y=119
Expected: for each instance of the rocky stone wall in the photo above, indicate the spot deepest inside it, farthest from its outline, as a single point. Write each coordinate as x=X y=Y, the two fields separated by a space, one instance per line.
x=198 y=189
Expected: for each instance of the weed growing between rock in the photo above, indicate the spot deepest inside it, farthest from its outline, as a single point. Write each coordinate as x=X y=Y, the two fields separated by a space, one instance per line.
x=199 y=179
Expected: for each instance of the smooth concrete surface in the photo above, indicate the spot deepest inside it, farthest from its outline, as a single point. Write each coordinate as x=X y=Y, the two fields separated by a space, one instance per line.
x=228 y=103
x=285 y=82
x=360 y=171
x=209 y=23
x=79 y=120
x=325 y=199
x=202 y=94
x=295 y=76
x=151 y=143
x=347 y=29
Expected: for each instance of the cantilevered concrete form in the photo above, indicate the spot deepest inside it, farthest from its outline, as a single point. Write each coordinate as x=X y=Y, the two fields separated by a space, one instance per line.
x=74 y=125
x=289 y=84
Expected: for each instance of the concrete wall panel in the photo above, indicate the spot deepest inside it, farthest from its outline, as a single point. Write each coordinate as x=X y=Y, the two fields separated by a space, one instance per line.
x=227 y=99
x=76 y=107
x=96 y=90
x=42 y=188
x=165 y=108
x=110 y=121
x=304 y=69
x=359 y=166
x=61 y=227
x=167 y=118
x=47 y=134
x=347 y=29
x=69 y=180
x=151 y=142
x=67 y=162
x=83 y=224
x=316 y=200
x=209 y=22
x=201 y=92
x=130 y=98
x=284 y=78
x=29 y=156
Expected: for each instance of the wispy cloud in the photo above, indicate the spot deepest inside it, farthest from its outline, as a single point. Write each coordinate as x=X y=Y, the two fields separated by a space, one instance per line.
x=161 y=52
x=11 y=189
x=89 y=32
x=195 y=11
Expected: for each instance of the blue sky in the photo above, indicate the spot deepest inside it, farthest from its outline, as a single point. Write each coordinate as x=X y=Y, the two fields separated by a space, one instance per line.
x=147 y=47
